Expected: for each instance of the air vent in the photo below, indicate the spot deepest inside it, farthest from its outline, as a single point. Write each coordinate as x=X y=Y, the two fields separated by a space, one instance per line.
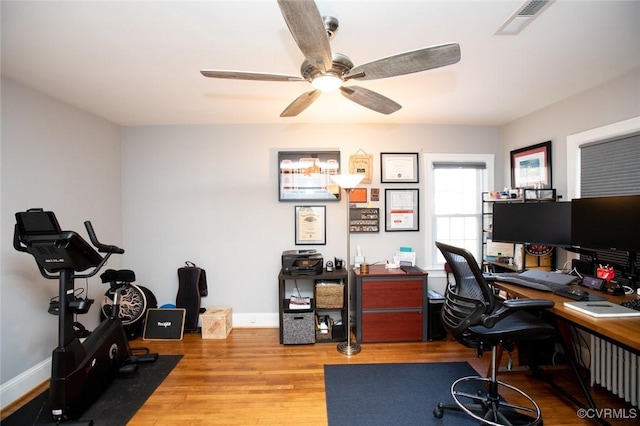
x=533 y=7
x=522 y=17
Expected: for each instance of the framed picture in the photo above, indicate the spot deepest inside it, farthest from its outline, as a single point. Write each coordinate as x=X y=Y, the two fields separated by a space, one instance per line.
x=311 y=225
x=358 y=195
x=362 y=164
x=402 y=209
x=399 y=167
x=531 y=166
x=306 y=175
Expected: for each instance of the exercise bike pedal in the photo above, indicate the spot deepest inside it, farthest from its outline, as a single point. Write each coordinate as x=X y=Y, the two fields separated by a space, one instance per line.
x=142 y=354
x=137 y=359
x=128 y=369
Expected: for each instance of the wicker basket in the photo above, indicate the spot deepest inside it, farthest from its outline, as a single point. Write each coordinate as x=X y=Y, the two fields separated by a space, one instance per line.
x=329 y=296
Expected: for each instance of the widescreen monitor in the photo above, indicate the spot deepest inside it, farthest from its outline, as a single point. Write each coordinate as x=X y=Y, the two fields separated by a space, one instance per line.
x=606 y=223
x=540 y=223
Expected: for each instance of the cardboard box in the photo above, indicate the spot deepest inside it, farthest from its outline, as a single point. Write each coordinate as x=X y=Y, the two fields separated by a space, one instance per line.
x=216 y=323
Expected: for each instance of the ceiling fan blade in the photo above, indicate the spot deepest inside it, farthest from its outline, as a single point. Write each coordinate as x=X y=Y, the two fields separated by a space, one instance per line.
x=409 y=62
x=370 y=99
x=307 y=28
x=245 y=75
x=301 y=103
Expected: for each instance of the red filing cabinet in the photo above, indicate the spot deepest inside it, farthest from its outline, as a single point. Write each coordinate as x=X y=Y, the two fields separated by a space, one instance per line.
x=391 y=305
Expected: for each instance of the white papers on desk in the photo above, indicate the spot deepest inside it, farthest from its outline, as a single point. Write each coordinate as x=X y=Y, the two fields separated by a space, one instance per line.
x=406 y=257
x=602 y=309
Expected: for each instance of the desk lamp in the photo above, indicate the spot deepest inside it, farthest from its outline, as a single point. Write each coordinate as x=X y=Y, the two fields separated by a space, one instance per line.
x=348 y=182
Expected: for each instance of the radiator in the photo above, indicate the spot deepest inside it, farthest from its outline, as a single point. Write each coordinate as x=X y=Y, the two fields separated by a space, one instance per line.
x=615 y=369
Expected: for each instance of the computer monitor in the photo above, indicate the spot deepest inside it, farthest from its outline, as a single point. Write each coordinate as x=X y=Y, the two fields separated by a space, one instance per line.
x=606 y=223
x=541 y=223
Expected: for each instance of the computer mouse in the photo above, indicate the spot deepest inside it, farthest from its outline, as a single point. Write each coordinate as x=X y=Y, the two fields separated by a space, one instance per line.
x=578 y=292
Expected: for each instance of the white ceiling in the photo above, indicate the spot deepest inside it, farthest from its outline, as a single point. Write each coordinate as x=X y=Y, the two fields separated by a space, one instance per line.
x=137 y=63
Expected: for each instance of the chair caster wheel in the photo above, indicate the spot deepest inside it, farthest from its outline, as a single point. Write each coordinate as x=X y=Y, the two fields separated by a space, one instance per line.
x=438 y=412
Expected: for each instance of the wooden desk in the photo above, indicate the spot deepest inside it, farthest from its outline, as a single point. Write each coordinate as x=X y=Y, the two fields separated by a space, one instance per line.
x=621 y=331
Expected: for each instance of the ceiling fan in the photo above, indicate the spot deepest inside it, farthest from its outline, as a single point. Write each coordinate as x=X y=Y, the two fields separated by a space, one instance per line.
x=328 y=71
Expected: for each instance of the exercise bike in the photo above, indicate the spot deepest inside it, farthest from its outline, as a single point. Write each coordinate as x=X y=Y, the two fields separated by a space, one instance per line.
x=80 y=371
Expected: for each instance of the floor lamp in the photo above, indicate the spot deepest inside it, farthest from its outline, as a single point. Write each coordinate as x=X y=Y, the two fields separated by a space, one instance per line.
x=348 y=182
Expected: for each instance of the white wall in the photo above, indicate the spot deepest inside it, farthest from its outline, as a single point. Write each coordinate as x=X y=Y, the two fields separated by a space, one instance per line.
x=209 y=194
x=62 y=159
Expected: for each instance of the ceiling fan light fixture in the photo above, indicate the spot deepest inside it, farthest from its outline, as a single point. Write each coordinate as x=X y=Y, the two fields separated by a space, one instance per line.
x=327 y=82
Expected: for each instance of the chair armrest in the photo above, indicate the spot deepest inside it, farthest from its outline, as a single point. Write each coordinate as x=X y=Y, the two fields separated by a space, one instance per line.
x=513 y=305
x=528 y=304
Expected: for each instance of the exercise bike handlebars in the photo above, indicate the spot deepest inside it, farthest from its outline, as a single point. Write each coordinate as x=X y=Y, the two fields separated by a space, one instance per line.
x=102 y=248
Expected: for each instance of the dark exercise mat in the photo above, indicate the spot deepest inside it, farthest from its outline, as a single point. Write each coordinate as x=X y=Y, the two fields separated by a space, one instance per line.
x=117 y=404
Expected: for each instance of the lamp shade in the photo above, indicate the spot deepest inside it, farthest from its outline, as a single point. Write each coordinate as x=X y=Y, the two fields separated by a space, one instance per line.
x=347 y=180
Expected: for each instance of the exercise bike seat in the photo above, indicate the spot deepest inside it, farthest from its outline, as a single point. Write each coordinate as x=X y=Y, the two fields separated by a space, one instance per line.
x=119 y=276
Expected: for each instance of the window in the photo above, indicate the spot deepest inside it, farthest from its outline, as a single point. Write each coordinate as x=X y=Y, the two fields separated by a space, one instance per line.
x=454 y=210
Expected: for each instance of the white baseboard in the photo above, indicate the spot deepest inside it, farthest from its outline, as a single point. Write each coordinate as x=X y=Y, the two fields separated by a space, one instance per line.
x=24 y=383
x=269 y=320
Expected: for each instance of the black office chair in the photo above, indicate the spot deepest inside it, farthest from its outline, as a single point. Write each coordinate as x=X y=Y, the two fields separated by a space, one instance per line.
x=477 y=320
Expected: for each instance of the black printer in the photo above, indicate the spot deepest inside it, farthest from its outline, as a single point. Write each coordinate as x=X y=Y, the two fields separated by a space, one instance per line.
x=302 y=262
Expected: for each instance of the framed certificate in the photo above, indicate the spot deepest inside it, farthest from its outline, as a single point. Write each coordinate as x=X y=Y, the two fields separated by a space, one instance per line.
x=401 y=207
x=399 y=167
x=311 y=225
x=362 y=164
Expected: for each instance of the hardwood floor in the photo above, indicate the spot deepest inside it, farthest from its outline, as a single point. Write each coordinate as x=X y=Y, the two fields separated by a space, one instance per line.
x=250 y=379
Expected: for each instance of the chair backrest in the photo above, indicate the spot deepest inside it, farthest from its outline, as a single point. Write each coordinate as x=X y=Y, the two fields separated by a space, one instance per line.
x=468 y=297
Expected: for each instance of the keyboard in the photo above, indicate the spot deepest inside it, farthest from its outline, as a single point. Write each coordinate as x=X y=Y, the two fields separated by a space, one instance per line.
x=411 y=269
x=633 y=304
x=505 y=278
x=534 y=283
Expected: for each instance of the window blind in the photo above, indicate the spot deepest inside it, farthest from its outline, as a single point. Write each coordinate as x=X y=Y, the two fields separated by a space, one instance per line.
x=458 y=165
x=610 y=167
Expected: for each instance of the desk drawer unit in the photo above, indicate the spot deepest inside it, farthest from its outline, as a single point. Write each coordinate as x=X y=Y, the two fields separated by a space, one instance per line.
x=392 y=309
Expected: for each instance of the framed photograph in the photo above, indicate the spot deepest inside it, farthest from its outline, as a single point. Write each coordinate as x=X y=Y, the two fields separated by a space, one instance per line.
x=311 y=225
x=399 y=167
x=362 y=164
x=402 y=210
x=531 y=166
x=306 y=175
